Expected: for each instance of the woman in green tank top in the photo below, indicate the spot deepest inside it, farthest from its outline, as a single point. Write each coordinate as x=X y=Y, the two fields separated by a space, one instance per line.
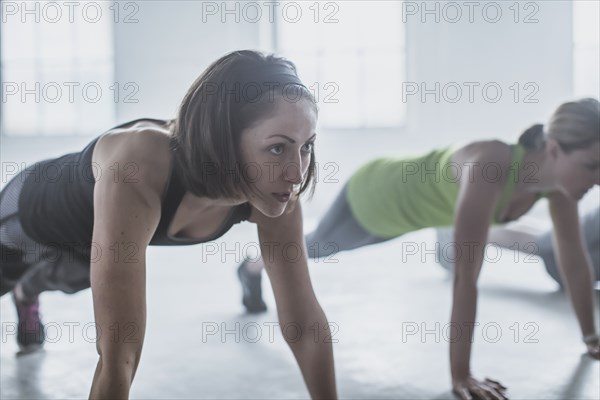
x=471 y=188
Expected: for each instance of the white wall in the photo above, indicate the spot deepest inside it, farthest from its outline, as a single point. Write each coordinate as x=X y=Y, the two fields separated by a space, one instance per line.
x=503 y=52
x=169 y=47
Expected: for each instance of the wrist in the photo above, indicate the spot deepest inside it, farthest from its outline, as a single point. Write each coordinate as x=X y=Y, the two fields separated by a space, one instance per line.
x=591 y=339
x=460 y=377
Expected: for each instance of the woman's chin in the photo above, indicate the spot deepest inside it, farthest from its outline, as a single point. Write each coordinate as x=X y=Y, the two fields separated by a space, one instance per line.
x=576 y=195
x=270 y=210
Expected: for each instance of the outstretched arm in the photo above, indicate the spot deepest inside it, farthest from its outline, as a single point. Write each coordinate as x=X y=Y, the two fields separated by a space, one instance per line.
x=284 y=255
x=473 y=214
x=477 y=201
x=575 y=266
x=126 y=214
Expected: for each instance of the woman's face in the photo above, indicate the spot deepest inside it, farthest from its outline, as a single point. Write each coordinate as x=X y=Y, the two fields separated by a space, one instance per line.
x=276 y=153
x=575 y=171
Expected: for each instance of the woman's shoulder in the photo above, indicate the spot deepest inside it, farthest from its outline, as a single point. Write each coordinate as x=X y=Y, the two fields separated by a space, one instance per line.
x=139 y=154
x=484 y=152
x=486 y=165
x=141 y=139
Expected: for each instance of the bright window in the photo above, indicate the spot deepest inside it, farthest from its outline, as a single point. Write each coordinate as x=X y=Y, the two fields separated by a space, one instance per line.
x=57 y=68
x=352 y=56
x=586 y=41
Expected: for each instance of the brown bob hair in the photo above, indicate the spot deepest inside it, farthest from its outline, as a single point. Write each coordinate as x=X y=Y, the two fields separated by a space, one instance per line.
x=233 y=93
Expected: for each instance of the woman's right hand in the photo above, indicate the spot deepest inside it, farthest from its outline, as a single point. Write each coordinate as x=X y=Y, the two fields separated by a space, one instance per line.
x=472 y=388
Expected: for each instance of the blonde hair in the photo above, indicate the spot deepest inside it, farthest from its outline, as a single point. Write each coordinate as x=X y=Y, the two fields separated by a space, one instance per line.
x=574 y=125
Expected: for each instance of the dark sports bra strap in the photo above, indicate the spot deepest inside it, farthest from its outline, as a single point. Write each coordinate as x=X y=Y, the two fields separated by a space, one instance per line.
x=175 y=192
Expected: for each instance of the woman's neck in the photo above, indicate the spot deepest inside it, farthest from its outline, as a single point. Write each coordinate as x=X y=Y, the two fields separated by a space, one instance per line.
x=534 y=174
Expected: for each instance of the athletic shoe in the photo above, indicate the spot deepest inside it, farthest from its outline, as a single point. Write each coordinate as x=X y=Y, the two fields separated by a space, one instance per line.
x=30 y=330
x=252 y=292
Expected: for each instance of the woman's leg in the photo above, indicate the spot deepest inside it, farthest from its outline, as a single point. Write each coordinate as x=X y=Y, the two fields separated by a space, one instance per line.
x=590 y=229
x=52 y=270
x=11 y=264
x=28 y=268
x=15 y=250
x=337 y=231
x=11 y=268
x=516 y=238
x=529 y=240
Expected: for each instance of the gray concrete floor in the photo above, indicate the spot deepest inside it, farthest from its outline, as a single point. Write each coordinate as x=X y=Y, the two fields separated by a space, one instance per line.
x=528 y=337
x=375 y=301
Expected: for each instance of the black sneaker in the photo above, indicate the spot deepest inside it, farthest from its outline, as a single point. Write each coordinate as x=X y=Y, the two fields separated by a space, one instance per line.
x=251 y=285
x=30 y=330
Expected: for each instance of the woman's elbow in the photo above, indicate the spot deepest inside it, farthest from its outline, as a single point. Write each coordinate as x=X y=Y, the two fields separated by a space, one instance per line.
x=119 y=361
x=296 y=326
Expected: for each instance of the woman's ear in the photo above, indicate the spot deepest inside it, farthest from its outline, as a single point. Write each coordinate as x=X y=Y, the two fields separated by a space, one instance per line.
x=553 y=149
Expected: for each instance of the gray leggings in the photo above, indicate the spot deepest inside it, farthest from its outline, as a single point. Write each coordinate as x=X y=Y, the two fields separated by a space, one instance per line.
x=590 y=227
x=35 y=266
x=338 y=231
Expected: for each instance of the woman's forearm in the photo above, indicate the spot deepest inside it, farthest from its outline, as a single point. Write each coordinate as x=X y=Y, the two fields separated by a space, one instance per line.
x=579 y=283
x=314 y=354
x=464 y=307
x=573 y=259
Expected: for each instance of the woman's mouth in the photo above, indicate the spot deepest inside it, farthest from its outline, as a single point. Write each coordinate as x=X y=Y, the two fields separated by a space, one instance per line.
x=282 y=197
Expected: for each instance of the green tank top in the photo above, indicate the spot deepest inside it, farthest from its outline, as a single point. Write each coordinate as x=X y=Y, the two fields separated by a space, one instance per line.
x=393 y=196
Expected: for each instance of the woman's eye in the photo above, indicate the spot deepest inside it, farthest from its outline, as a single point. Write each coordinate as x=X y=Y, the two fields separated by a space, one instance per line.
x=277 y=150
x=308 y=147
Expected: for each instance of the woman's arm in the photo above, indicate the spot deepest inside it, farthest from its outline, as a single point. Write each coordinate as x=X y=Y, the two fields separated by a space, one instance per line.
x=126 y=214
x=574 y=264
x=475 y=207
x=284 y=255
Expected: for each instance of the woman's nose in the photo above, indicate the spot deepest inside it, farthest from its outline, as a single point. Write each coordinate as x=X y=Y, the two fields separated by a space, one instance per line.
x=292 y=172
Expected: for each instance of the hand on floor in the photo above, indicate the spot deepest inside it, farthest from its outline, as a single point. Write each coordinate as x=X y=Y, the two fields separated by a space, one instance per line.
x=474 y=389
x=593 y=350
